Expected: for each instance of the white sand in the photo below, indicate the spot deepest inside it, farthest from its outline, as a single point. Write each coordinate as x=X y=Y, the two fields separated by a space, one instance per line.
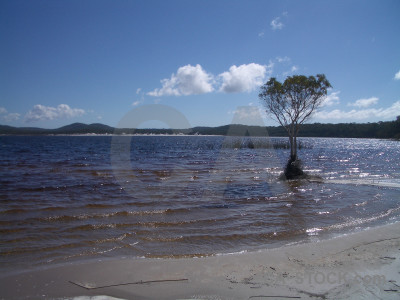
x=363 y=265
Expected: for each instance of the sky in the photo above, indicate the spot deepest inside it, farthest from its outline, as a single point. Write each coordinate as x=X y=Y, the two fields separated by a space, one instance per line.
x=98 y=61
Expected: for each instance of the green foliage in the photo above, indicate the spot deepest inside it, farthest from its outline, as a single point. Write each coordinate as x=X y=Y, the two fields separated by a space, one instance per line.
x=293 y=102
x=383 y=130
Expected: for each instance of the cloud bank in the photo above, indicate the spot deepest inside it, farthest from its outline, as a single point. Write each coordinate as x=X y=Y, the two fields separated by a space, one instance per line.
x=44 y=113
x=361 y=114
x=365 y=102
x=331 y=99
x=8 y=117
x=194 y=80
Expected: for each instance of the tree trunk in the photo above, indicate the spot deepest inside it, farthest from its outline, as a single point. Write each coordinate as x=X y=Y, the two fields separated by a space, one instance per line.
x=293 y=168
x=293 y=148
x=294 y=155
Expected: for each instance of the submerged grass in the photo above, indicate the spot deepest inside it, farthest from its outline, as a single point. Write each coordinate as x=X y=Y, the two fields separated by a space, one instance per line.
x=254 y=143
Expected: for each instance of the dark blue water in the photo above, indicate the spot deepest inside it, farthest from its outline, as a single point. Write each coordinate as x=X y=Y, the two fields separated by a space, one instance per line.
x=64 y=198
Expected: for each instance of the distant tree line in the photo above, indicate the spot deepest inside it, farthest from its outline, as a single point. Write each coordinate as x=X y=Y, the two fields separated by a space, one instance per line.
x=384 y=130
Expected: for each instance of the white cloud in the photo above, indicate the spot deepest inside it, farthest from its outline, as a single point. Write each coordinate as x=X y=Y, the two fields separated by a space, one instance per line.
x=244 y=78
x=245 y=112
x=293 y=69
x=397 y=76
x=365 y=102
x=11 y=117
x=283 y=59
x=247 y=115
x=331 y=99
x=140 y=93
x=44 y=113
x=287 y=62
x=276 y=23
x=363 y=114
x=8 y=117
x=188 y=80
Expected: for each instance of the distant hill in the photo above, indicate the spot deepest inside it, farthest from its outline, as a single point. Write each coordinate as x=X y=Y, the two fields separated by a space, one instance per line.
x=75 y=128
x=80 y=128
x=390 y=129
x=4 y=129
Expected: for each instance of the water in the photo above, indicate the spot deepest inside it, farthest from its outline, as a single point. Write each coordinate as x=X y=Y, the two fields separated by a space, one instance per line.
x=66 y=198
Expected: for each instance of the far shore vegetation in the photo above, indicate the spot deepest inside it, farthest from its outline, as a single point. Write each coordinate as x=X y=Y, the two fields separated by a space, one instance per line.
x=380 y=130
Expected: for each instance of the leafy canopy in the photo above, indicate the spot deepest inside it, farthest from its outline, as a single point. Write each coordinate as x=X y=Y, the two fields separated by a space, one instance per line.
x=293 y=102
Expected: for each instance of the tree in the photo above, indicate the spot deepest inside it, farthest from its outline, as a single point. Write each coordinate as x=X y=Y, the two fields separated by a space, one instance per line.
x=291 y=104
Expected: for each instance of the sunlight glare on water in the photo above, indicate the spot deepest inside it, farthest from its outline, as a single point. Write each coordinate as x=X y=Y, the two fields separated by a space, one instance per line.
x=63 y=198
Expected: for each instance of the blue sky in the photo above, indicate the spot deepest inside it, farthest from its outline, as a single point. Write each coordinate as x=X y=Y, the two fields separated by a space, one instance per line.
x=96 y=61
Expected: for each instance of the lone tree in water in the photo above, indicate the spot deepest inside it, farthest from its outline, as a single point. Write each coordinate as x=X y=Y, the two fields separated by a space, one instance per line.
x=291 y=104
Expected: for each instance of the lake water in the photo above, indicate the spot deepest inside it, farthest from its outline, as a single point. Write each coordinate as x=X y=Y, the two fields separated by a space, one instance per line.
x=66 y=198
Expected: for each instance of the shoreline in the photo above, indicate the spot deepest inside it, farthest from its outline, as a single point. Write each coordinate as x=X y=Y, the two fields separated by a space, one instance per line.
x=355 y=265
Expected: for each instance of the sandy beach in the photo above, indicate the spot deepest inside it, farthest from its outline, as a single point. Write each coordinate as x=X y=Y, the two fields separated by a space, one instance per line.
x=362 y=265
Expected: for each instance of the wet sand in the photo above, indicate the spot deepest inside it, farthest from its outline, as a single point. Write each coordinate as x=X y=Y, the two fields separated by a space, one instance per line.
x=355 y=266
